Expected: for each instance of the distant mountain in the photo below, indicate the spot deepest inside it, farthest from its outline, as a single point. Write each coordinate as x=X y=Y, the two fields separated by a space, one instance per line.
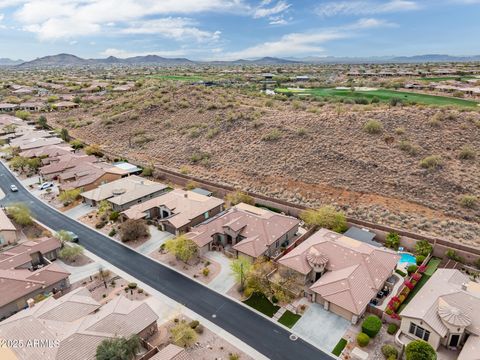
x=9 y=62
x=69 y=60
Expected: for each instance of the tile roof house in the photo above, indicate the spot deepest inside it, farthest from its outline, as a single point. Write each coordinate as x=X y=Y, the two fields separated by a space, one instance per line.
x=87 y=176
x=125 y=192
x=48 y=152
x=26 y=270
x=64 y=163
x=343 y=274
x=6 y=107
x=75 y=324
x=246 y=230
x=445 y=311
x=8 y=232
x=177 y=211
x=172 y=352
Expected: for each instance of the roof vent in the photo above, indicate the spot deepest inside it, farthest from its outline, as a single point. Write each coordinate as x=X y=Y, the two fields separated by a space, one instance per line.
x=117 y=192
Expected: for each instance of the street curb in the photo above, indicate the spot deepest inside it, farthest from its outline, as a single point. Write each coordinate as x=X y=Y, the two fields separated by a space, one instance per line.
x=328 y=353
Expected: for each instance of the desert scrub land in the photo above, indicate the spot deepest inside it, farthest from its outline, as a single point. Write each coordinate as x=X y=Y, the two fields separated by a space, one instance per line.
x=414 y=167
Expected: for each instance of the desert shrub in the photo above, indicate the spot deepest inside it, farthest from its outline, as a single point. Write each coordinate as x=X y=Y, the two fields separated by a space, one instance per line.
x=420 y=350
x=408 y=147
x=452 y=254
x=70 y=253
x=326 y=217
x=248 y=292
x=361 y=101
x=371 y=325
x=233 y=357
x=389 y=351
x=423 y=247
x=392 y=240
x=67 y=196
x=94 y=150
x=238 y=197
x=468 y=201
x=373 y=127
x=133 y=230
x=211 y=133
x=194 y=323
x=375 y=100
x=182 y=247
x=191 y=185
x=183 y=335
x=392 y=329
x=147 y=171
x=101 y=224
x=467 y=153
x=412 y=268
x=301 y=132
x=400 y=130
x=431 y=162
x=363 y=339
x=20 y=213
x=22 y=114
x=205 y=271
x=112 y=232
x=200 y=157
x=114 y=215
x=395 y=101
x=132 y=285
x=273 y=135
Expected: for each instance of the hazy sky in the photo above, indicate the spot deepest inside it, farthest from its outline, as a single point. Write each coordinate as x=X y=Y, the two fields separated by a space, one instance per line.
x=231 y=29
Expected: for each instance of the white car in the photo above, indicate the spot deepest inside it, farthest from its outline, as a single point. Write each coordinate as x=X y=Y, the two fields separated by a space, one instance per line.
x=45 y=185
x=13 y=188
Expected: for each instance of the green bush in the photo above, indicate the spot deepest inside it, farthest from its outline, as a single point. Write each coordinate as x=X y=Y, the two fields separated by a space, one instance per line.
x=392 y=329
x=112 y=232
x=132 y=285
x=194 y=323
x=392 y=241
x=371 y=325
x=412 y=268
x=114 y=216
x=468 y=201
x=363 y=339
x=373 y=127
x=431 y=162
x=389 y=351
x=400 y=272
x=420 y=259
x=420 y=350
x=423 y=247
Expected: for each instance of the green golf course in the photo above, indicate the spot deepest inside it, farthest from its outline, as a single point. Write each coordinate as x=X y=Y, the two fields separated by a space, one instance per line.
x=382 y=95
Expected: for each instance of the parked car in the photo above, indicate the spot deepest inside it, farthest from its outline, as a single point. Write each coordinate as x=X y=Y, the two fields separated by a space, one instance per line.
x=13 y=188
x=45 y=185
x=73 y=236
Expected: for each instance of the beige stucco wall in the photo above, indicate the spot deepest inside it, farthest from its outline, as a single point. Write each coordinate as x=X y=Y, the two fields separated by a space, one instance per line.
x=434 y=338
x=8 y=236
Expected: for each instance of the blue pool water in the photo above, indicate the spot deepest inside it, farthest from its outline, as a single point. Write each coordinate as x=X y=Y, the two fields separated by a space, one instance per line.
x=407 y=258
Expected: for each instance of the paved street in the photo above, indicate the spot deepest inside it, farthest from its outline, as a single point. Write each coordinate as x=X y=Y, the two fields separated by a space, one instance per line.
x=260 y=333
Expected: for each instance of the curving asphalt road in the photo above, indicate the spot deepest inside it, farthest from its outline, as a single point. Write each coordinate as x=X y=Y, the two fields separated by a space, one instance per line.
x=263 y=335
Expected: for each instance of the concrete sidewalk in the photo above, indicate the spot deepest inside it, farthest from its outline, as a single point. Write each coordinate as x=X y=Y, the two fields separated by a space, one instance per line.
x=225 y=280
x=80 y=272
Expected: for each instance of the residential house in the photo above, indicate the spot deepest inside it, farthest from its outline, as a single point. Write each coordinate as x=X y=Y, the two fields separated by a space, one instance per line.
x=48 y=153
x=130 y=168
x=26 y=271
x=246 y=230
x=65 y=105
x=31 y=106
x=8 y=232
x=444 y=312
x=75 y=325
x=34 y=140
x=64 y=163
x=87 y=176
x=172 y=352
x=341 y=273
x=6 y=107
x=125 y=192
x=177 y=211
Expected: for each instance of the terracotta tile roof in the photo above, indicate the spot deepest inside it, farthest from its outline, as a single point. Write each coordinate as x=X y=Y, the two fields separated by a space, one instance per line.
x=86 y=173
x=172 y=352
x=124 y=190
x=446 y=289
x=70 y=319
x=185 y=206
x=50 y=151
x=259 y=227
x=66 y=162
x=21 y=254
x=355 y=271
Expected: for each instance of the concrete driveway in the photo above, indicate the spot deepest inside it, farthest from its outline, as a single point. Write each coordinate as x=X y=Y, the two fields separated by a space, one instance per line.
x=80 y=272
x=79 y=211
x=224 y=280
x=321 y=327
x=157 y=238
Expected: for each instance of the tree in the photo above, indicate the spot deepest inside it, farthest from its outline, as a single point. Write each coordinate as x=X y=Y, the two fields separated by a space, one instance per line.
x=64 y=135
x=183 y=335
x=68 y=196
x=19 y=163
x=22 y=114
x=42 y=122
x=238 y=197
x=392 y=241
x=325 y=217
x=64 y=236
x=423 y=247
x=70 y=253
x=420 y=350
x=133 y=230
x=104 y=208
x=257 y=277
x=76 y=144
x=94 y=150
x=118 y=348
x=240 y=268
x=20 y=213
x=182 y=247
x=34 y=163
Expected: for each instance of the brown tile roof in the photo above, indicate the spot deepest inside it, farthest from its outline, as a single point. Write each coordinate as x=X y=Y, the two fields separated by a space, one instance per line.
x=21 y=254
x=355 y=271
x=172 y=352
x=71 y=320
x=65 y=162
x=259 y=227
x=86 y=173
x=185 y=206
x=50 y=151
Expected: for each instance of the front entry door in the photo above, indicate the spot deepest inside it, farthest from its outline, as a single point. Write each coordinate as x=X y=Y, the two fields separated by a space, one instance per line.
x=454 y=341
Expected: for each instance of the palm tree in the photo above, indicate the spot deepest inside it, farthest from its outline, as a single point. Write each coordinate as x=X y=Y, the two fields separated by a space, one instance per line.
x=118 y=348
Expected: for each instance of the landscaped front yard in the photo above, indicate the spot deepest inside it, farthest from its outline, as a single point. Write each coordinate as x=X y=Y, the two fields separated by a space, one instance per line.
x=289 y=319
x=259 y=302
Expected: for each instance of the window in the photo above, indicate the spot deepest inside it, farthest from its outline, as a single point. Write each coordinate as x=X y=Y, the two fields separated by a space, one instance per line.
x=206 y=215
x=419 y=332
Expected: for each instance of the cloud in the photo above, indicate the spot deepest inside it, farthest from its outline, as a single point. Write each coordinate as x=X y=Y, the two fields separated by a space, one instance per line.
x=307 y=42
x=262 y=11
x=365 y=7
x=57 y=19
x=173 y=28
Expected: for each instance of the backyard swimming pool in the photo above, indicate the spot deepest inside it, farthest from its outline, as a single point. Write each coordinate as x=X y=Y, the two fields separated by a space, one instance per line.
x=406 y=258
